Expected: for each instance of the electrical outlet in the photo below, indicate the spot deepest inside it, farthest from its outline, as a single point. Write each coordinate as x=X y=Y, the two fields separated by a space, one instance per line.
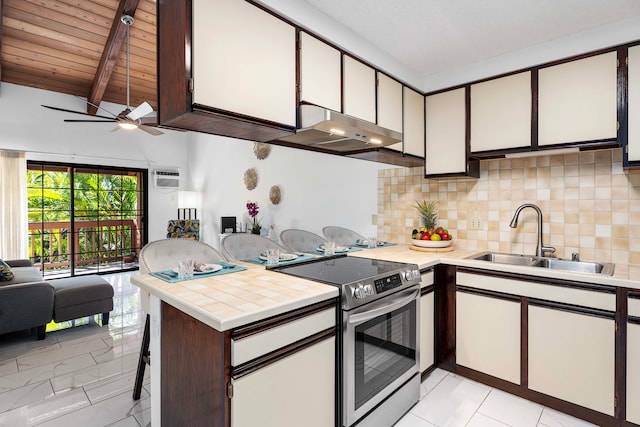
x=475 y=224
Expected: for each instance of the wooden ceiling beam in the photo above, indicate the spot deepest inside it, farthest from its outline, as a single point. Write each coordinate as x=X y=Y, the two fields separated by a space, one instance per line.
x=0 y=37
x=110 y=54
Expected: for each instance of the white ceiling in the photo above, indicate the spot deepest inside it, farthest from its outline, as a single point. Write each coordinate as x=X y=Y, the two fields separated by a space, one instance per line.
x=435 y=36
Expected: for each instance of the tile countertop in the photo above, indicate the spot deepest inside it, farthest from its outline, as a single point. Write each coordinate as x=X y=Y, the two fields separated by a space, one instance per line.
x=231 y=300
x=403 y=253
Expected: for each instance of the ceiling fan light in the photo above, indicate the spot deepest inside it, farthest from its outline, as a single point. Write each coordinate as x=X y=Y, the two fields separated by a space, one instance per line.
x=127 y=125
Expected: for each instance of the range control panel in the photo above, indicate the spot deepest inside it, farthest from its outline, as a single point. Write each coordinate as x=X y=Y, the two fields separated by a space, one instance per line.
x=387 y=283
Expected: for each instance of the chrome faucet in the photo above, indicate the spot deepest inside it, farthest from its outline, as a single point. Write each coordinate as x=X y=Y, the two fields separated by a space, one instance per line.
x=540 y=248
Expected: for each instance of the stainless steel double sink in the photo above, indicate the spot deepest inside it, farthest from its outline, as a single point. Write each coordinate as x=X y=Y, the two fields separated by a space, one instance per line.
x=547 y=262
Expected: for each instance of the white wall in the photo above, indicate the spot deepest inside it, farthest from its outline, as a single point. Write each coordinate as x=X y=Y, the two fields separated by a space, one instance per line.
x=26 y=126
x=317 y=189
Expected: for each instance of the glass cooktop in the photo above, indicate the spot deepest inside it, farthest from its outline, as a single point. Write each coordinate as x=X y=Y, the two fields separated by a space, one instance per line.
x=342 y=270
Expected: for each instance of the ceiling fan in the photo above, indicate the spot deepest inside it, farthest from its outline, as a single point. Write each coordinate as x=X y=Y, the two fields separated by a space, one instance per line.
x=128 y=118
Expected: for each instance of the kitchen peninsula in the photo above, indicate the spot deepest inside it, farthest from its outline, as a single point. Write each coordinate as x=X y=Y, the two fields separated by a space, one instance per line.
x=259 y=345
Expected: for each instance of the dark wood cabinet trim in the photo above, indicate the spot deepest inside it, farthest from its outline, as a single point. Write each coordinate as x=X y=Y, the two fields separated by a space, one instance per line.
x=193 y=376
x=620 y=409
x=634 y=294
x=524 y=342
x=633 y=320
x=445 y=316
x=281 y=319
x=572 y=308
x=541 y=280
x=488 y=294
x=281 y=353
x=534 y=109
x=427 y=290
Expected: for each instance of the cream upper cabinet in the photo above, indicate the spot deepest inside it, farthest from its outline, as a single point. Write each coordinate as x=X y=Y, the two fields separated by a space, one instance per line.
x=244 y=60
x=577 y=100
x=446 y=133
x=390 y=105
x=483 y=325
x=501 y=113
x=633 y=141
x=320 y=68
x=296 y=390
x=359 y=89
x=413 y=129
x=571 y=357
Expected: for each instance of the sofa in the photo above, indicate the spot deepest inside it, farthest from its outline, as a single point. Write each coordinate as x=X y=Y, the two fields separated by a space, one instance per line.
x=27 y=301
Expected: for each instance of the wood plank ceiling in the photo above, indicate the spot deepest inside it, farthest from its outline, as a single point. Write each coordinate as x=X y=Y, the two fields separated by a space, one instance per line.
x=58 y=45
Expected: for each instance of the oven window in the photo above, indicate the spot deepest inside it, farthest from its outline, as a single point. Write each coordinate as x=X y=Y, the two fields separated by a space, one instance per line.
x=385 y=348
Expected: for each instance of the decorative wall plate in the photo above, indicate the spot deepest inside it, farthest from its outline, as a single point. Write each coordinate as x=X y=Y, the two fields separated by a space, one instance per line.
x=275 y=194
x=261 y=150
x=251 y=178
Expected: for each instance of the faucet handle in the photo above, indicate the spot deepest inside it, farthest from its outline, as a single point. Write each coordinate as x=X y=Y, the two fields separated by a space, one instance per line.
x=575 y=256
x=549 y=249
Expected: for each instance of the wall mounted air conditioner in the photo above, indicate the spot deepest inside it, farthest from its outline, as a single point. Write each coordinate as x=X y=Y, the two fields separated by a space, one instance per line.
x=166 y=179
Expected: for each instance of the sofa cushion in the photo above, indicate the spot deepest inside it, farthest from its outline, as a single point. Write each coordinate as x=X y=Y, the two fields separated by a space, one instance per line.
x=5 y=272
x=24 y=275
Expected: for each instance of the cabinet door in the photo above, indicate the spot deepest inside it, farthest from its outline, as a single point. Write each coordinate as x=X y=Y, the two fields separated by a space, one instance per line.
x=413 y=122
x=571 y=357
x=577 y=100
x=484 y=325
x=359 y=93
x=296 y=390
x=446 y=150
x=320 y=78
x=633 y=372
x=244 y=60
x=427 y=347
x=390 y=106
x=501 y=113
x=633 y=142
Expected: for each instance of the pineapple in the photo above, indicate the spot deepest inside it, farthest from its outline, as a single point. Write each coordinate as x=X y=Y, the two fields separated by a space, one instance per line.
x=428 y=213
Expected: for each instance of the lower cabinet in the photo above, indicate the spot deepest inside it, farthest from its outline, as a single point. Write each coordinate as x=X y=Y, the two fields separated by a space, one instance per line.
x=296 y=390
x=488 y=335
x=279 y=371
x=633 y=372
x=572 y=357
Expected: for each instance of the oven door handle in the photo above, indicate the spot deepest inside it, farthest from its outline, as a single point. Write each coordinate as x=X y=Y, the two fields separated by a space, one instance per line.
x=384 y=308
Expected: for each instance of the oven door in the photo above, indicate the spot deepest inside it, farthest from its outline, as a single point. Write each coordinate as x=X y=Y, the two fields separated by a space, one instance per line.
x=380 y=351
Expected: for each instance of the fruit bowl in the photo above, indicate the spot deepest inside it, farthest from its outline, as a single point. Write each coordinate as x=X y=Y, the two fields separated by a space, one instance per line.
x=431 y=243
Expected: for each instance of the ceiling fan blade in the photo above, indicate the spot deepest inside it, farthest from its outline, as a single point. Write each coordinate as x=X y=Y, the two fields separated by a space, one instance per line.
x=75 y=112
x=141 y=110
x=150 y=130
x=89 y=121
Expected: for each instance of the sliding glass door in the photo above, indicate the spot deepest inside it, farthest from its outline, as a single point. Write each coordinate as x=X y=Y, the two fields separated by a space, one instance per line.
x=85 y=219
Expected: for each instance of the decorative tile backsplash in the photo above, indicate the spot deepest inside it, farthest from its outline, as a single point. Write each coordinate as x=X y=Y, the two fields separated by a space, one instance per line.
x=590 y=206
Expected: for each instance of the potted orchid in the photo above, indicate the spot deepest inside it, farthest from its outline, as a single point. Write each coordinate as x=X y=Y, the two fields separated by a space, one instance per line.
x=253 y=209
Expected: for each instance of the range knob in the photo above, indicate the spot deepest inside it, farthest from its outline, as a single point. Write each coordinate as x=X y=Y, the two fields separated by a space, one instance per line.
x=358 y=292
x=368 y=290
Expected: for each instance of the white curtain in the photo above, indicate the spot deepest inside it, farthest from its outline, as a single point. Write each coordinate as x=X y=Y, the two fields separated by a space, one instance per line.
x=13 y=205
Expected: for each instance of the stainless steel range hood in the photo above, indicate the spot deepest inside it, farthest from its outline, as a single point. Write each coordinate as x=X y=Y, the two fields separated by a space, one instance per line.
x=328 y=130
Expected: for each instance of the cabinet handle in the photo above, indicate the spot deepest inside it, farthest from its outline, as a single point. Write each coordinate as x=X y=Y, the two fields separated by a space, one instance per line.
x=229 y=390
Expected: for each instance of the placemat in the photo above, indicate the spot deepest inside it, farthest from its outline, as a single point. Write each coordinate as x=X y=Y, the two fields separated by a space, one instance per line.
x=171 y=276
x=258 y=260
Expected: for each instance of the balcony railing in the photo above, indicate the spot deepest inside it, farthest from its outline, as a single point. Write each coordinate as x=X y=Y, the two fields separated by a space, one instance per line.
x=52 y=246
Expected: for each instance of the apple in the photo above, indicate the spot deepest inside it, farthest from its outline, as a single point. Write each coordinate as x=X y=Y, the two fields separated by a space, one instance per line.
x=445 y=236
x=426 y=236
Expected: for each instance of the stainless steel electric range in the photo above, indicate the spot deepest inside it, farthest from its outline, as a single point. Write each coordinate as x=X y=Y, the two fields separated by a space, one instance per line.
x=379 y=333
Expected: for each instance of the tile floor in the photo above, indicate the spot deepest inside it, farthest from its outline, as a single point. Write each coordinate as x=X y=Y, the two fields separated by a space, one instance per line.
x=83 y=376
